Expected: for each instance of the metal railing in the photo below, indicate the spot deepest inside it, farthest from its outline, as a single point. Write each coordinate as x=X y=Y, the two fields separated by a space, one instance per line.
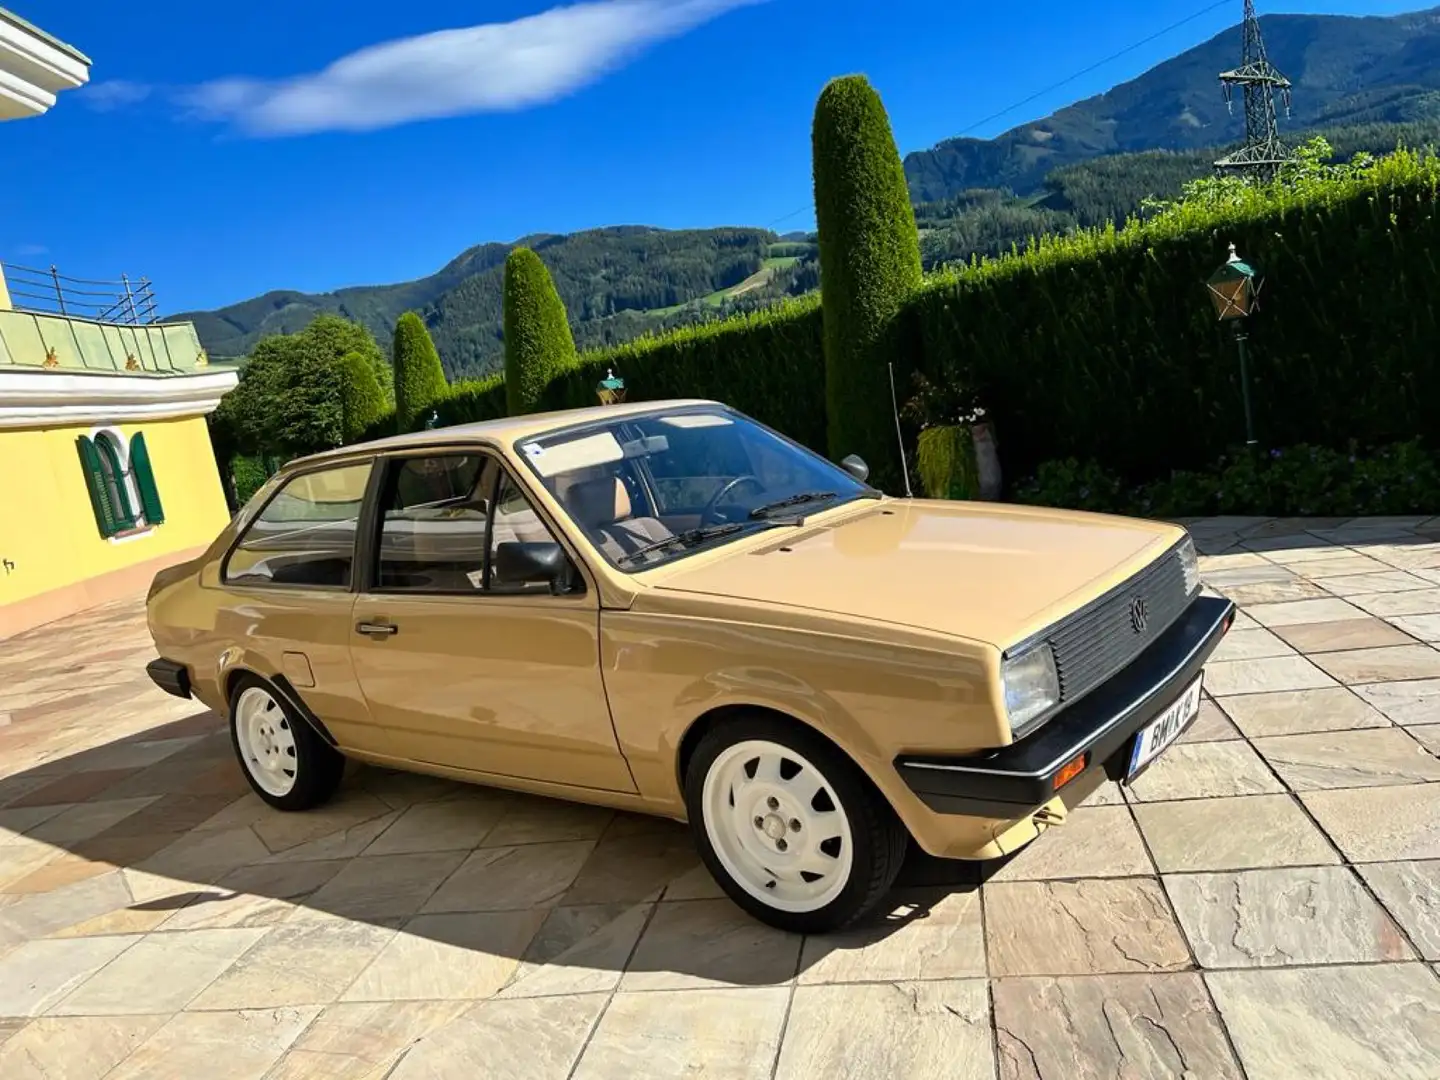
x=125 y=302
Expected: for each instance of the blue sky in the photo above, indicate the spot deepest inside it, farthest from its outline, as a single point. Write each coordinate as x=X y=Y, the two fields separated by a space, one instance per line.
x=233 y=158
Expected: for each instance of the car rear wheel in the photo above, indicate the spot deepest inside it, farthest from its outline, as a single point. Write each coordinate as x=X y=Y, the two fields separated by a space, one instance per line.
x=286 y=763
x=789 y=826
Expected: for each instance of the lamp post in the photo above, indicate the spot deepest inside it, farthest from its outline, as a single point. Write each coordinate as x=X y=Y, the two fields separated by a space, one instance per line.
x=1235 y=290
x=611 y=389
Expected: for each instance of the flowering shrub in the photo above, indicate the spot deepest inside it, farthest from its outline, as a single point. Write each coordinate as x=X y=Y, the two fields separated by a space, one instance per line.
x=946 y=404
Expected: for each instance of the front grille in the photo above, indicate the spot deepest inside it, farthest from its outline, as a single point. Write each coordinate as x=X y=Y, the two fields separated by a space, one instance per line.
x=1093 y=643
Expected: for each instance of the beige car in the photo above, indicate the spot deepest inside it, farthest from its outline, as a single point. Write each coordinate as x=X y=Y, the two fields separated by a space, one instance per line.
x=669 y=608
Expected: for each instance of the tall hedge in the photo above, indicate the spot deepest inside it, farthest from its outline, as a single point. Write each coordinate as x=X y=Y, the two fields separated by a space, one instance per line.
x=419 y=378
x=362 y=402
x=538 y=343
x=869 y=267
x=473 y=400
x=1104 y=346
x=768 y=364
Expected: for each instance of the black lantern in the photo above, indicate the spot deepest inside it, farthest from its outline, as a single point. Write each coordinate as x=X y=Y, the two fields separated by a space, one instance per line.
x=1235 y=290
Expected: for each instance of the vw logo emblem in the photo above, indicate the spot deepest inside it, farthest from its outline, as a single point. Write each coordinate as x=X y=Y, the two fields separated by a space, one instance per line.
x=1139 y=614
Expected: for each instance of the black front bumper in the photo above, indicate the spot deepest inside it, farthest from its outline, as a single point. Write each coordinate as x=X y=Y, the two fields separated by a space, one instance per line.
x=171 y=677
x=1014 y=780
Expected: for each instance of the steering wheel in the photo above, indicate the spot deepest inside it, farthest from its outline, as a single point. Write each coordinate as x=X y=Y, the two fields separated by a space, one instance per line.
x=708 y=515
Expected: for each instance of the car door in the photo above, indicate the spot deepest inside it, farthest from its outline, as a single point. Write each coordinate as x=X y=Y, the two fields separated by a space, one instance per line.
x=289 y=578
x=461 y=663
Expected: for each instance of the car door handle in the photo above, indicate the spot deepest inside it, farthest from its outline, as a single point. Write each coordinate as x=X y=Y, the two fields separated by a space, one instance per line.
x=376 y=629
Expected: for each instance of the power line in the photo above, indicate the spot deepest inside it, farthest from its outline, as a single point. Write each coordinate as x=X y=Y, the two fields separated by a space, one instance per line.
x=1063 y=82
x=786 y=217
x=1095 y=66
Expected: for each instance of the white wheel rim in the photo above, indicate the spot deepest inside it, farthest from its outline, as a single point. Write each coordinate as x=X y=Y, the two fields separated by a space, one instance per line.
x=267 y=743
x=760 y=804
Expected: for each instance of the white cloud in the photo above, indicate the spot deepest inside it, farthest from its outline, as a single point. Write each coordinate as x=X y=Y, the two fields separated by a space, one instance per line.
x=488 y=68
x=113 y=94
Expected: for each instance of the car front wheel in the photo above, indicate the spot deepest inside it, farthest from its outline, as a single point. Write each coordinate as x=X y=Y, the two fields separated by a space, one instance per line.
x=790 y=828
x=287 y=764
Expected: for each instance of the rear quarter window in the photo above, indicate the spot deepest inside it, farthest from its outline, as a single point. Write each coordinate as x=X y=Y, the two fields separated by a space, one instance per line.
x=305 y=534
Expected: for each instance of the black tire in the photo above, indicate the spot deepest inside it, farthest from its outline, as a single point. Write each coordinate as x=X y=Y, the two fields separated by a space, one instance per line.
x=318 y=766
x=879 y=841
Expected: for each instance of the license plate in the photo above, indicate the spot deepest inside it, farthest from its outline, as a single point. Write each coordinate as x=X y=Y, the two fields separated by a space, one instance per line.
x=1164 y=729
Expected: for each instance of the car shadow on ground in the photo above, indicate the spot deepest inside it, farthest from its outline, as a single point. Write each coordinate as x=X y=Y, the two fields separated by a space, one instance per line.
x=158 y=832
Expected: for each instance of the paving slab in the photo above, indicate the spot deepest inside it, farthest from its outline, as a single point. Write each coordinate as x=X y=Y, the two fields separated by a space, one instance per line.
x=1260 y=903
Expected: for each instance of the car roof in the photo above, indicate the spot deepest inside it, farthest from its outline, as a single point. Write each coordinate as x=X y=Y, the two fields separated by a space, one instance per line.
x=506 y=428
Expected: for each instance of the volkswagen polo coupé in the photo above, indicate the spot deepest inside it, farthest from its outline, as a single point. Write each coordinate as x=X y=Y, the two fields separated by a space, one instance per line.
x=670 y=608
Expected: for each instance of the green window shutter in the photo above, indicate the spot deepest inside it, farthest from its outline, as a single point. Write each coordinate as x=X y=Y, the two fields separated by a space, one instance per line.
x=105 y=516
x=114 y=476
x=145 y=480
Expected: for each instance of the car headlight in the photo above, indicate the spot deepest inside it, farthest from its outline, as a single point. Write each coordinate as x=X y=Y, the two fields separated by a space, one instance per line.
x=1190 y=565
x=1031 y=684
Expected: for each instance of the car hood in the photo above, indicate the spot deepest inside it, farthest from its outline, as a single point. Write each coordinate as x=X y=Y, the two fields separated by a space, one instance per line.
x=984 y=571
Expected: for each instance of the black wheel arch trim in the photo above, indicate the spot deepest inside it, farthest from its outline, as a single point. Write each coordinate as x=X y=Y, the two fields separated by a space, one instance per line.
x=1011 y=781
x=286 y=689
x=295 y=701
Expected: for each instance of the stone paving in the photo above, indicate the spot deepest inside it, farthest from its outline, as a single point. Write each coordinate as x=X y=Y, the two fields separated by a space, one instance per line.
x=1264 y=903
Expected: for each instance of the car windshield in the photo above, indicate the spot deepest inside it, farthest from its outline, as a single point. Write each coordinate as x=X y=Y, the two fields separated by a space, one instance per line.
x=651 y=488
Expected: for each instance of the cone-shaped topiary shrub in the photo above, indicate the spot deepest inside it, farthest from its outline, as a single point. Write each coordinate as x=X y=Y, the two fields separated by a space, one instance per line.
x=869 y=267
x=538 y=344
x=419 y=378
x=362 y=402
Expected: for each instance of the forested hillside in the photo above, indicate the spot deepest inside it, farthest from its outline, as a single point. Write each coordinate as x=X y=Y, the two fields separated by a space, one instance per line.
x=1346 y=71
x=617 y=283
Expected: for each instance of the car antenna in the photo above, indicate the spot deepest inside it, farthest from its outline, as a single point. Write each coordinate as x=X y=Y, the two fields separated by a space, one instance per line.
x=895 y=408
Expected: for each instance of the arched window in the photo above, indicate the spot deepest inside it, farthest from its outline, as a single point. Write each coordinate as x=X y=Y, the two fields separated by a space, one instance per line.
x=121 y=484
x=112 y=461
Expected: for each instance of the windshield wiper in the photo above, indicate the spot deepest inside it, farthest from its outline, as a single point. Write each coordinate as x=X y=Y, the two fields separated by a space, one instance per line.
x=794 y=500
x=687 y=538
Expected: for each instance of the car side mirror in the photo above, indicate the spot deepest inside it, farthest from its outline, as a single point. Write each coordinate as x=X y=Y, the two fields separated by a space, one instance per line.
x=855 y=465
x=517 y=561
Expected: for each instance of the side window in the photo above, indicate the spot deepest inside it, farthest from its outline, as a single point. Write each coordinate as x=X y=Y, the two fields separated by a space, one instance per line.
x=518 y=529
x=434 y=524
x=305 y=535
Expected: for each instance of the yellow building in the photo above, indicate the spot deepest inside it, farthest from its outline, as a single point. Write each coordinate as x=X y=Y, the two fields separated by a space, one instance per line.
x=106 y=468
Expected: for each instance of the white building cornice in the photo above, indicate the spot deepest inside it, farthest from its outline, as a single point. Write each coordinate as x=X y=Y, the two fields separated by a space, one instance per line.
x=42 y=399
x=34 y=67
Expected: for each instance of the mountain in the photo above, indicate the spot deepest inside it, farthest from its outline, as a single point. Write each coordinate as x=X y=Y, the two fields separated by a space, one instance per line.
x=1346 y=70
x=617 y=283
x=990 y=221
x=1366 y=82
